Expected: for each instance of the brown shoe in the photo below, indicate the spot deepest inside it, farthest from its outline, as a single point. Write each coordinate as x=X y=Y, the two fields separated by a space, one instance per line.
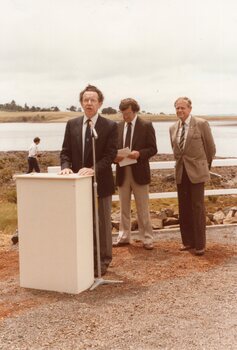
x=185 y=247
x=148 y=246
x=199 y=252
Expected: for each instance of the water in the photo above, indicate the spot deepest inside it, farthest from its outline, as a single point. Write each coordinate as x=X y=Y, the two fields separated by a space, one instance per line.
x=19 y=136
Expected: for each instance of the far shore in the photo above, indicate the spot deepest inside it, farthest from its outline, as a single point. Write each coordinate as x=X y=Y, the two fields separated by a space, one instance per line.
x=62 y=117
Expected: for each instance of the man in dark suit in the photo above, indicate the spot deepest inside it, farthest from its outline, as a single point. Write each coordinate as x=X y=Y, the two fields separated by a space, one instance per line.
x=194 y=149
x=76 y=156
x=139 y=137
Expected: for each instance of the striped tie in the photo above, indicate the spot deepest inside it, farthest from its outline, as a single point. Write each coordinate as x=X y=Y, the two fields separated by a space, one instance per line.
x=181 y=142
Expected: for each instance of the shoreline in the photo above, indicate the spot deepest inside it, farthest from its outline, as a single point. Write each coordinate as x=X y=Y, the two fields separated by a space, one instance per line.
x=62 y=117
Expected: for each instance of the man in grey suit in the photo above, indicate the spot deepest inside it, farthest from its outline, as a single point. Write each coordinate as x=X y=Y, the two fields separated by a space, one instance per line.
x=76 y=156
x=194 y=149
x=139 y=136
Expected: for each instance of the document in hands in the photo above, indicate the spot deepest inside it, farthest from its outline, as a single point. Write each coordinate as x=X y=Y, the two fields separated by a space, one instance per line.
x=124 y=152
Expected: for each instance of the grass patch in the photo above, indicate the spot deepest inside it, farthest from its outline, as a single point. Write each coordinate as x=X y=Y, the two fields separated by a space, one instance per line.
x=8 y=217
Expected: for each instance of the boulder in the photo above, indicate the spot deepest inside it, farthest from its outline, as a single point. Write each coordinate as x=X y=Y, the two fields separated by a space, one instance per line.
x=157 y=223
x=218 y=216
x=169 y=212
x=171 y=221
x=231 y=217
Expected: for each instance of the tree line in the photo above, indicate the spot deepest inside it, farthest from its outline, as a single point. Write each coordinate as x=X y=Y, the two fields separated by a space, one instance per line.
x=13 y=107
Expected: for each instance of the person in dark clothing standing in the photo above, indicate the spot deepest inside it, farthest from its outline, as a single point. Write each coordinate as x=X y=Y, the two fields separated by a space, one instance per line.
x=76 y=157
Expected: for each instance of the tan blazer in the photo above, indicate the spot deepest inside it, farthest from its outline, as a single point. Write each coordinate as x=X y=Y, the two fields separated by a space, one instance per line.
x=198 y=152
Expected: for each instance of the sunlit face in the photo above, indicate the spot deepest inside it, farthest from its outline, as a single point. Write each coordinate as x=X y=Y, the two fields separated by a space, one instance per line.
x=128 y=115
x=90 y=103
x=182 y=109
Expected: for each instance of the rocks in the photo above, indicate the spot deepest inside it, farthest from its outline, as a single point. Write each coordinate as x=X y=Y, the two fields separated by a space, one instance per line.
x=169 y=218
x=231 y=217
x=218 y=216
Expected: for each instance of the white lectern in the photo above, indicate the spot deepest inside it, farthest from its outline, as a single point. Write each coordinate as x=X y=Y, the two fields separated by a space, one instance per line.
x=55 y=223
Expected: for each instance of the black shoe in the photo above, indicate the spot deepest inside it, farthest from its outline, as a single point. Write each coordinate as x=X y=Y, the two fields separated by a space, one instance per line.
x=199 y=252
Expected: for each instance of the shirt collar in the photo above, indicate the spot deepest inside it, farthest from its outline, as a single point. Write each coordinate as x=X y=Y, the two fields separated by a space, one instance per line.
x=187 y=121
x=93 y=119
x=133 y=122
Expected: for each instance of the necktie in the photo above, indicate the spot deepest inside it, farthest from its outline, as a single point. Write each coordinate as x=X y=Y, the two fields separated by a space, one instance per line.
x=87 y=145
x=128 y=135
x=181 y=142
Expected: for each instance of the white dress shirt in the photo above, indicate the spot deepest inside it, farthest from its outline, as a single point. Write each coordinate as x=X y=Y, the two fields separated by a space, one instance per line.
x=186 y=126
x=133 y=122
x=84 y=126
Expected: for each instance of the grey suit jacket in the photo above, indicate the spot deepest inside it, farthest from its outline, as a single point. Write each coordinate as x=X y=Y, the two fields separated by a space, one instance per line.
x=198 y=152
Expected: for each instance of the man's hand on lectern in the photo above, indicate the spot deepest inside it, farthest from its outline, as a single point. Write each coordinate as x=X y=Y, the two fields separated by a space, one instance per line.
x=86 y=171
x=66 y=171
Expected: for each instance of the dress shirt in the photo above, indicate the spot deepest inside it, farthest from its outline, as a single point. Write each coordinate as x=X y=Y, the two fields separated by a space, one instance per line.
x=133 y=122
x=94 y=120
x=186 y=126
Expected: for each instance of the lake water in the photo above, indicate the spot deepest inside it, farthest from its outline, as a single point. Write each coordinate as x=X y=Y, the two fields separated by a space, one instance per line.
x=18 y=136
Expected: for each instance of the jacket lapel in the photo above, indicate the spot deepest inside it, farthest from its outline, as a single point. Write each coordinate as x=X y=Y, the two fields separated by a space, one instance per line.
x=136 y=132
x=175 y=134
x=120 y=134
x=79 y=134
x=191 y=129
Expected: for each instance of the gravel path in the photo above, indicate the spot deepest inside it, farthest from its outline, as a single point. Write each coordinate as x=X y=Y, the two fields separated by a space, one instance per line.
x=197 y=311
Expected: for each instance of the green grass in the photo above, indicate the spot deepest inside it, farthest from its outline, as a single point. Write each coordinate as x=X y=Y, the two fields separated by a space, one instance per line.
x=8 y=217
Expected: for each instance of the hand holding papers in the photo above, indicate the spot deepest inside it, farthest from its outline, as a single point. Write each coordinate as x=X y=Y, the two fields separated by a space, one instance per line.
x=124 y=153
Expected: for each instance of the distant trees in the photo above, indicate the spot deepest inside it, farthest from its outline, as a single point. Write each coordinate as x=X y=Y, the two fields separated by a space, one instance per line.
x=109 y=110
x=13 y=107
x=72 y=109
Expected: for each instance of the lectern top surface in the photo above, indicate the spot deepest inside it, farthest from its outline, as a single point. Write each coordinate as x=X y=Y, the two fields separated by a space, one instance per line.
x=50 y=176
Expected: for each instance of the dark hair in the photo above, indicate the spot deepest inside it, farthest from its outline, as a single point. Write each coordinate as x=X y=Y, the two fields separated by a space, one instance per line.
x=36 y=139
x=92 y=88
x=127 y=102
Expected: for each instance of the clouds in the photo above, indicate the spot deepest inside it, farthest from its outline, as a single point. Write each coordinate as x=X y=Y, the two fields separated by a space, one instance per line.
x=152 y=50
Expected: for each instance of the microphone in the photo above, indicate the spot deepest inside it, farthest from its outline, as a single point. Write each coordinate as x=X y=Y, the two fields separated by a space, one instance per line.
x=93 y=131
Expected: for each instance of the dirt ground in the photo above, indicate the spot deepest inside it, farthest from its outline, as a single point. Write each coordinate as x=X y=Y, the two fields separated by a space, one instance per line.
x=164 y=262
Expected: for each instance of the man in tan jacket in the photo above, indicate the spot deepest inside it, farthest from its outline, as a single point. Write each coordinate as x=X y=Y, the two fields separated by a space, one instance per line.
x=194 y=149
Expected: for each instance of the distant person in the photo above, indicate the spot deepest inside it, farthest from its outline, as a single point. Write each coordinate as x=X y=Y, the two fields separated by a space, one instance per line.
x=139 y=137
x=194 y=149
x=76 y=157
x=32 y=156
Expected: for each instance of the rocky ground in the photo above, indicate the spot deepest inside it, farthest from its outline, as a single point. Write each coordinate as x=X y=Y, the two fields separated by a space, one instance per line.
x=168 y=300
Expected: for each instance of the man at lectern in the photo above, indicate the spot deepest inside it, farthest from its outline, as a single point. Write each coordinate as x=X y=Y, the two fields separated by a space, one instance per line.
x=76 y=156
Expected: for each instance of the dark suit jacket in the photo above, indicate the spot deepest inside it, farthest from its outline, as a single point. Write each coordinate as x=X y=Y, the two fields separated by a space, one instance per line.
x=106 y=150
x=198 y=151
x=144 y=141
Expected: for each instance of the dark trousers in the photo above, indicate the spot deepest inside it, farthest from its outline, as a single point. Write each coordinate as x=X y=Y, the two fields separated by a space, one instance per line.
x=105 y=228
x=33 y=165
x=192 y=215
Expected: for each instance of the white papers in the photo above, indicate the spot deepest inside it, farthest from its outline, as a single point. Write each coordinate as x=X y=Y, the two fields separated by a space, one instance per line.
x=124 y=152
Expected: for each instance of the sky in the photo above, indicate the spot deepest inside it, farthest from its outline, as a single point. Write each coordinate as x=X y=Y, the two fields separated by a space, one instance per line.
x=150 y=50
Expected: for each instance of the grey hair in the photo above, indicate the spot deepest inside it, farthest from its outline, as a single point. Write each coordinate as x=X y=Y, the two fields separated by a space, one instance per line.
x=186 y=99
